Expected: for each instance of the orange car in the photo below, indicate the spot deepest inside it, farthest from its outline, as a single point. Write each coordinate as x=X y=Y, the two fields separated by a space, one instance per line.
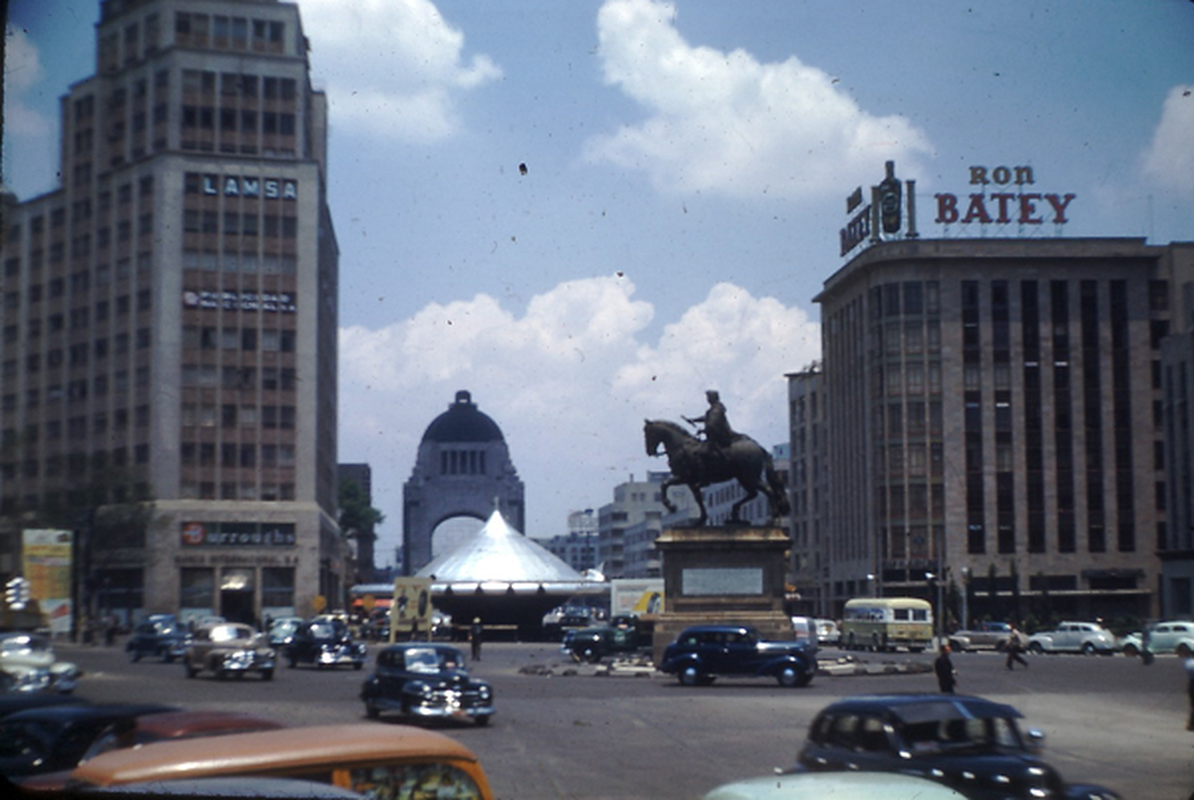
x=387 y=762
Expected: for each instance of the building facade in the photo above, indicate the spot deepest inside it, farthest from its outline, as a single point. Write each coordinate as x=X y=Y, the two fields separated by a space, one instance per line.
x=993 y=416
x=170 y=321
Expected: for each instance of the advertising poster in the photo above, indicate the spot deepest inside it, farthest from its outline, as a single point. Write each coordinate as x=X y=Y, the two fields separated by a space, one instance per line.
x=410 y=613
x=46 y=564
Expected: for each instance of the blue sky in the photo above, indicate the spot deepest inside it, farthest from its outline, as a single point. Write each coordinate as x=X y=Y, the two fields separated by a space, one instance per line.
x=687 y=168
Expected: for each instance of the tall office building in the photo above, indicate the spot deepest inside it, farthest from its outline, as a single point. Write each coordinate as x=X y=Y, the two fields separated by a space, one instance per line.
x=170 y=321
x=993 y=421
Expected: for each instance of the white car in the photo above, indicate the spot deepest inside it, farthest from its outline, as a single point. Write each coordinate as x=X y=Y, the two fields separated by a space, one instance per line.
x=1164 y=637
x=1087 y=638
x=30 y=665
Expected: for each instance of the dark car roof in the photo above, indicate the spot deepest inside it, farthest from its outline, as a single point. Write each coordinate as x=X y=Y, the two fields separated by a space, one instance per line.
x=911 y=708
x=17 y=702
x=86 y=712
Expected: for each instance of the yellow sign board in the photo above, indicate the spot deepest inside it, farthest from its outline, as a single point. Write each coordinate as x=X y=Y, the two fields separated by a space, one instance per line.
x=410 y=614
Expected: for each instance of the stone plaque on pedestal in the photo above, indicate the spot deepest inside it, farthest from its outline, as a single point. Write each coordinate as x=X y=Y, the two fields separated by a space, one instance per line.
x=722 y=576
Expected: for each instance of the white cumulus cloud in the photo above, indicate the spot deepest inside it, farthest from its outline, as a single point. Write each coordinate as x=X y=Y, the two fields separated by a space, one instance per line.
x=725 y=122
x=570 y=382
x=392 y=67
x=22 y=71
x=1169 y=159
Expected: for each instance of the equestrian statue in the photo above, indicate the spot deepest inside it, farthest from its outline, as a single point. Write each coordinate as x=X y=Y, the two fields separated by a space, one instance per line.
x=721 y=455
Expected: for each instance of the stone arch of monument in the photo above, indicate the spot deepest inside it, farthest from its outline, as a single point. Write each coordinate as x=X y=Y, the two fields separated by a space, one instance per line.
x=463 y=469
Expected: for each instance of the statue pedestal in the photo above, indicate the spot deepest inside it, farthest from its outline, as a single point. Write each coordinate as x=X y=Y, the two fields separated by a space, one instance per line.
x=722 y=576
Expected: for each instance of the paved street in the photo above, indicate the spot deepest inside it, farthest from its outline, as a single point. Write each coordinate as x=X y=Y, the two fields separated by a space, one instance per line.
x=1107 y=719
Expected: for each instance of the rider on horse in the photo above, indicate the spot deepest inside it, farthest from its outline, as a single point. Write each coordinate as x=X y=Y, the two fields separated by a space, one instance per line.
x=718 y=433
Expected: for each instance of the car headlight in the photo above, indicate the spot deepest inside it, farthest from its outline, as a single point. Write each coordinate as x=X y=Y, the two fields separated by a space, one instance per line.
x=485 y=692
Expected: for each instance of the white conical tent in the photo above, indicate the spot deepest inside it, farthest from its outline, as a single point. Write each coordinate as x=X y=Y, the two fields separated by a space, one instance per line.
x=501 y=557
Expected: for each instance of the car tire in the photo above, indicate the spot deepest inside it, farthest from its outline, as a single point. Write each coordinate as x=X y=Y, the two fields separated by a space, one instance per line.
x=357 y=666
x=1183 y=650
x=167 y=658
x=267 y=674
x=690 y=676
x=589 y=655
x=293 y=662
x=371 y=709
x=1035 y=648
x=1088 y=649
x=788 y=677
x=1131 y=651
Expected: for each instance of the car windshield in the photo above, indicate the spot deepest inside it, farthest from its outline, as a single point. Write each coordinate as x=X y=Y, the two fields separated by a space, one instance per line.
x=323 y=630
x=226 y=633
x=429 y=659
x=991 y=734
x=23 y=644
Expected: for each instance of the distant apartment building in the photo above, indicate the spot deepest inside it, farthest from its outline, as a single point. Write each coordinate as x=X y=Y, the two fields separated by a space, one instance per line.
x=578 y=547
x=627 y=527
x=993 y=414
x=170 y=323
x=807 y=470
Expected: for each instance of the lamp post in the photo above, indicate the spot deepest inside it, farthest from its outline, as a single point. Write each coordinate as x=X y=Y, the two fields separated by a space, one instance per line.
x=966 y=598
x=939 y=581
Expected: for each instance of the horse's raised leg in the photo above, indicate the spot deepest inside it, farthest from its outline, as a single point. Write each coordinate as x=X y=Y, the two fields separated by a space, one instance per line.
x=668 y=483
x=695 y=488
x=751 y=493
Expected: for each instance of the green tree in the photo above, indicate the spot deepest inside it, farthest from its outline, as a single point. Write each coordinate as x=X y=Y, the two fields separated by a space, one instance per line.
x=357 y=517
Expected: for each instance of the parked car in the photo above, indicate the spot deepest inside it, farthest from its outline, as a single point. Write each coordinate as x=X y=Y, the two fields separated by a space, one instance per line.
x=1164 y=637
x=983 y=635
x=325 y=643
x=426 y=680
x=142 y=729
x=229 y=648
x=28 y=659
x=562 y=618
x=55 y=738
x=158 y=636
x=969 y=744
x=1087 y=638
x=836 y=785
x=281 y=632
x=703 y=652
x=593 y=644
x=398 y=761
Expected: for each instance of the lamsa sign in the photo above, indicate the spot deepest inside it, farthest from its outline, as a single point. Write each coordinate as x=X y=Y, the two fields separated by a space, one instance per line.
x=1006 y=196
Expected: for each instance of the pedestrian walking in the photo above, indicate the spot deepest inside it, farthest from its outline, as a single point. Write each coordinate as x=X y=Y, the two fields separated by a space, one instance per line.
x=474 y=637
x=1015 y=648
x=947 y=676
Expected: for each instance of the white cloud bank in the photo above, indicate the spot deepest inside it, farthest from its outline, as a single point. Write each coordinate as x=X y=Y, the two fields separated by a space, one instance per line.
x=725 y=122
x=569 y=382
x=392 y=67
x=1169 y=159
x=22 y=71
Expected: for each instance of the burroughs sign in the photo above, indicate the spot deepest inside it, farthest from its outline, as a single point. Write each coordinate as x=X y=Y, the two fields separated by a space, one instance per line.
x=1007 y=203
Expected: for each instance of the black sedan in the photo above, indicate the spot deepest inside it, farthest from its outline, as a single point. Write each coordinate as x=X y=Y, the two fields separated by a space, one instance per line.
x=325 y=643
x=974 y=746
x=55 y=738
x=159 y=636
x=428 y=681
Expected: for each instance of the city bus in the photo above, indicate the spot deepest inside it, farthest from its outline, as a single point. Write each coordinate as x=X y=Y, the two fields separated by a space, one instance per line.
x=885 y=623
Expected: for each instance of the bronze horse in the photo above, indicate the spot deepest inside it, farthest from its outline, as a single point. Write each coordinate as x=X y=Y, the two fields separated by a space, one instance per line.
x=695 y=463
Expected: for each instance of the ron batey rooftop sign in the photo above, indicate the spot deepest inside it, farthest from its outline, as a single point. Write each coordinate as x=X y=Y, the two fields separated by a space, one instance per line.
x=1003 y=195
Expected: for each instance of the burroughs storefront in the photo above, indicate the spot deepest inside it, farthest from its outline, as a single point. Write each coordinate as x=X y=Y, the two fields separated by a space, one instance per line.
x=243 y=571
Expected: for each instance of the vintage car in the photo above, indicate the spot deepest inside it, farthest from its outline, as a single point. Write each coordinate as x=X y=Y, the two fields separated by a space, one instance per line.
x=983 y=635
x=836 y=785
x=969 y=744
x=1163 y=637
x=157 y=636
x=229 y=648
x=703 y=652
x=425 y=680
x=1087 y=638
x=136 y=730
x=593 y=644
x=563 y=618
x=325 y=643
x=55 y=738
x=29 y=661
x=382 y=761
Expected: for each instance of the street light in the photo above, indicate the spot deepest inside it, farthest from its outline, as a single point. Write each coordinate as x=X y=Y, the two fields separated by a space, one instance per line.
x=939 y=581
x=966 y=598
